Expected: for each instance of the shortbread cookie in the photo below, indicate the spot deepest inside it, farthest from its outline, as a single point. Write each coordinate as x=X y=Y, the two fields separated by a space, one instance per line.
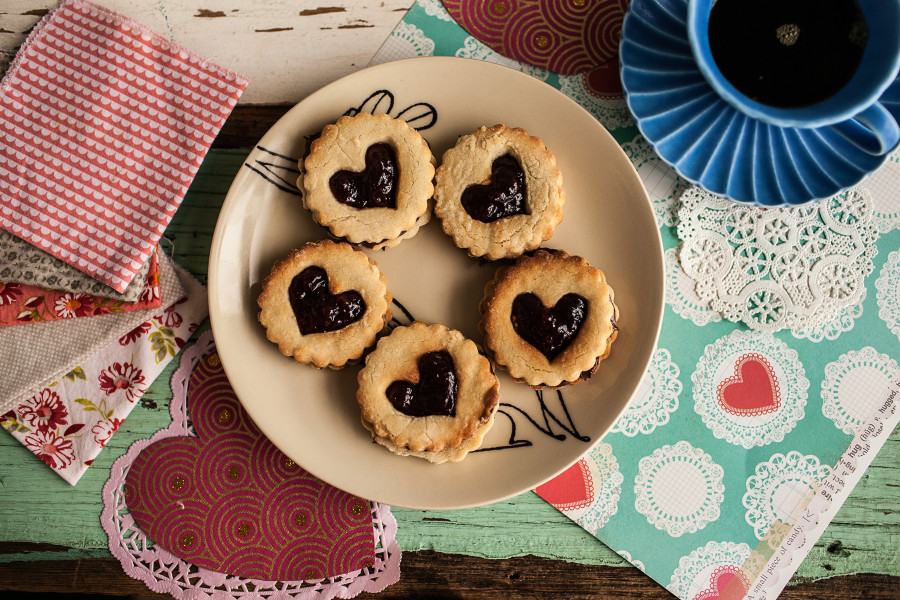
x=498 y=192
x=426 y=391
x=368 y=179
x=549 y=319
x=324 y=304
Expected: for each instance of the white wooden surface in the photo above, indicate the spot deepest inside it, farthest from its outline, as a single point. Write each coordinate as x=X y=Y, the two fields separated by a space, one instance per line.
x=288 y=48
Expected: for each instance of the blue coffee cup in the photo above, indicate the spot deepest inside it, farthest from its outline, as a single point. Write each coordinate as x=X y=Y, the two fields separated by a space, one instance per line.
x=853 y=110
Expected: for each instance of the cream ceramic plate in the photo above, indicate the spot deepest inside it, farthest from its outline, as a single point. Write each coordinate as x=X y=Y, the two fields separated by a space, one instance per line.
x=311 y=415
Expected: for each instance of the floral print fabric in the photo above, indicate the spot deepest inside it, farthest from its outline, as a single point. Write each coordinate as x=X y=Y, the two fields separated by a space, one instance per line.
x=68 y=423
x=21 y=303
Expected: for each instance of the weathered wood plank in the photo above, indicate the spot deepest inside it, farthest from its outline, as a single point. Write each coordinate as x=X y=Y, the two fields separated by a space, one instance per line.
x=437 y=575
x=287 y=49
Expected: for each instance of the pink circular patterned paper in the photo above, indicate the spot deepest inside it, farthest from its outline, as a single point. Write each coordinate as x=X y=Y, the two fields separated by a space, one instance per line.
x=229 y=501
x=564 y=36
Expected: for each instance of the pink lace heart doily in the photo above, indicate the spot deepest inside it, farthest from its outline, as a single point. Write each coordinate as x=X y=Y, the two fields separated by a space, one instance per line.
x=164 y=572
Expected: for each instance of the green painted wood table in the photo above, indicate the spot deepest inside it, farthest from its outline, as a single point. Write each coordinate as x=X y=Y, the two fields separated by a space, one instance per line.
x=51 y=540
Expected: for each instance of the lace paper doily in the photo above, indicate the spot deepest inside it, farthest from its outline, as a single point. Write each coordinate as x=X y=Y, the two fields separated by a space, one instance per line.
x=772 y=269
x=163 y=572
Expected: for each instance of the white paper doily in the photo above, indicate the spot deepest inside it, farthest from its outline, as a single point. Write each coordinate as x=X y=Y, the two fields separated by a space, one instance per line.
x=773 y=269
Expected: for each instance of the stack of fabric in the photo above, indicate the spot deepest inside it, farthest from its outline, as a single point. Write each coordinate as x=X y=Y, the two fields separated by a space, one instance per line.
x=104 y=125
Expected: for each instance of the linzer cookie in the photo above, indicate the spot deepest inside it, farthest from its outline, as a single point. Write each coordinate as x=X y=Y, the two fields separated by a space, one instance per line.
x=368 y=179
x=498 y=192
x=426 y=391
x=324 y=304
x=549 y=319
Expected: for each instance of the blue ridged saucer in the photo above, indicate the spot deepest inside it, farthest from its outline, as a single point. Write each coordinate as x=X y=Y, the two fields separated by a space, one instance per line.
x=712 y=144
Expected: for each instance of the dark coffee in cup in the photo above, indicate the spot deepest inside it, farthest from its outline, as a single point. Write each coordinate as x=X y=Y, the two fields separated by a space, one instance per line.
x=787 y=53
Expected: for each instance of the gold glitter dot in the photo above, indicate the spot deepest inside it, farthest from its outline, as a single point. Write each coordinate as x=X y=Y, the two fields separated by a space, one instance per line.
x=542 y=41
x=224 y=416
x=301 y=519
x=288 y=463
x=357 y=509
x=243 y=530
x=234 y=473
x=368 y=564
x=311 y=574
x=213 y=360
x=500 y=7
x=187 y=540
x=578 y=2
x=178 y=483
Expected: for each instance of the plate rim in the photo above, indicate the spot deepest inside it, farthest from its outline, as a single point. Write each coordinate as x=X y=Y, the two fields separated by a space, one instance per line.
x=232 y=200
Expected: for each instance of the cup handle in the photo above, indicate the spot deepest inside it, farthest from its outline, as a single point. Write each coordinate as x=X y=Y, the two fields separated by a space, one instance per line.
x=874 y=130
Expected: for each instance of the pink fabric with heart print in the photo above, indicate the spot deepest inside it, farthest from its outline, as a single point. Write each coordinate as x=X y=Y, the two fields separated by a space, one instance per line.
x=105 y=125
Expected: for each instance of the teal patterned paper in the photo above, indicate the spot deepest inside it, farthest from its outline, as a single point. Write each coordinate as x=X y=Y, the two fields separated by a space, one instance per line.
x=742 y=440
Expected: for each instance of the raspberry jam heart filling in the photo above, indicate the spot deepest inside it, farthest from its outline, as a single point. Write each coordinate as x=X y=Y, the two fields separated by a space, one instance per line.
x=550 y=330
x=504 y=195
x=434 y=395
x=373 y=187
x=318 y=310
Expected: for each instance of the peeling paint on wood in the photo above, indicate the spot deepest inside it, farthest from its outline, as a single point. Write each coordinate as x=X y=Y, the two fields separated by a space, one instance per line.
x=323 y=10
x=329 y=39
x=209 y=14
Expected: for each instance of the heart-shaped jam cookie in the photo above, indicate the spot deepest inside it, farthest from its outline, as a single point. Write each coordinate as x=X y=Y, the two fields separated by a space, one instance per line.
x=375 y=186
x=504 y=195
x=550 y=330
x=316 y=308
x=434 y=395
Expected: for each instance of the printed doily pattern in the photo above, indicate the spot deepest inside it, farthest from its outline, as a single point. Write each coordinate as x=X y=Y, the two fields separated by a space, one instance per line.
x=709 y=568
x=627 y=556
x=608 y=481
x=854 y=385
x=600 y=92
x=434 y=8
x=681 y=293
x=663 y=184
x=679 y=489
x=781 y=488
x=406 y=41
x=655 y=399
x=888 y=293
x=750 y=388
x=474 y=49
x=588 y=491
x=778 y=268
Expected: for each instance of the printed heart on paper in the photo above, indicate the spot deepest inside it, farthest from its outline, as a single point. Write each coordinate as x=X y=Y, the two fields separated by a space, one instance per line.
x=753 y=389
x=373 y=187
x=504 y=195
x=231 y=502
x=560 y=35
x=721 y=586
x=571 y=490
